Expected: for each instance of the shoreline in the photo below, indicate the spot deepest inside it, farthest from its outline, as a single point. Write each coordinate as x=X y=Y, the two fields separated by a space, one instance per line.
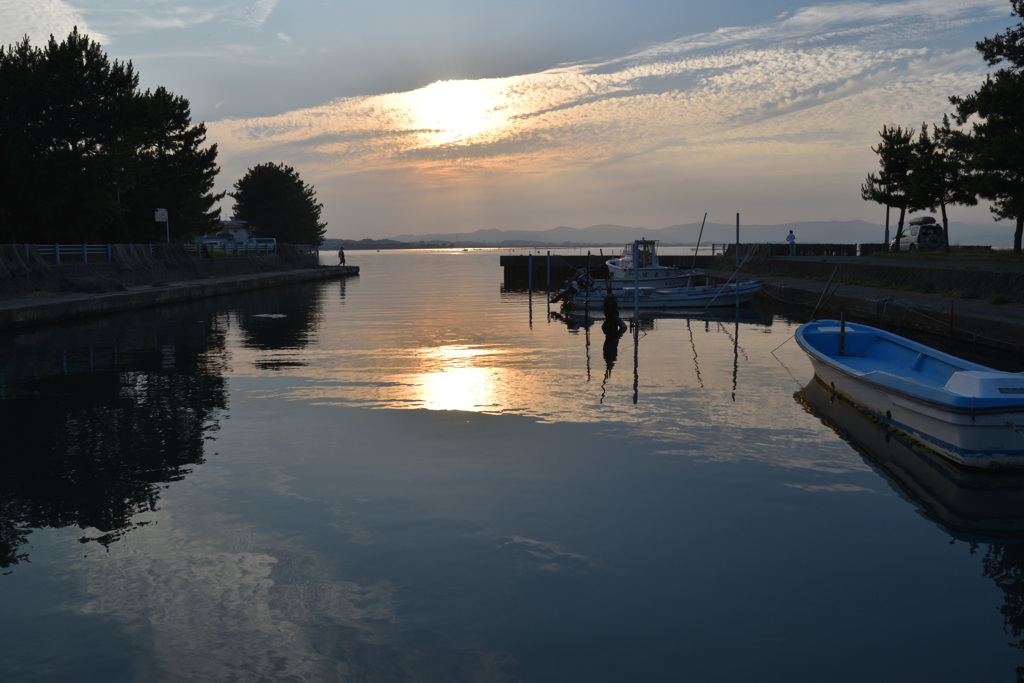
x=993 y=327
x=795 y=282
x=44 y=308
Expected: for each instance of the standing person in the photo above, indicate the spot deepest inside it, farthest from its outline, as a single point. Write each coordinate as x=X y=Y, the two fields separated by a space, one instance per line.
x=791 y=238
x=341 y=256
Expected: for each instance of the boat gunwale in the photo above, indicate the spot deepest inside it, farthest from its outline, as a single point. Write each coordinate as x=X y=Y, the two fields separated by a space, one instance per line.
x=946 y=406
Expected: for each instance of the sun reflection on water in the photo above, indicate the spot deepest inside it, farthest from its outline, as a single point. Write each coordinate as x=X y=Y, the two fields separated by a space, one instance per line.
x=458 y=377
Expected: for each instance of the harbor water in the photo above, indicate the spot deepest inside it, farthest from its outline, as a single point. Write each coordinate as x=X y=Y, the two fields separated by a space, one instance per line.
x=414 y=475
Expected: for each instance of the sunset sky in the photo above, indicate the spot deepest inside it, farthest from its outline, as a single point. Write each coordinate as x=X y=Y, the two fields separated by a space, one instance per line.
x=457 y=115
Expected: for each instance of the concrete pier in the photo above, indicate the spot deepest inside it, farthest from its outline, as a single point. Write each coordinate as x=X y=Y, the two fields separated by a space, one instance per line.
x=48 y=307
x=878 y=296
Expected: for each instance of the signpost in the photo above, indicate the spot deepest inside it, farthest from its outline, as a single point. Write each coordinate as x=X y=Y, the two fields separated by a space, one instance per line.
x=161 y=215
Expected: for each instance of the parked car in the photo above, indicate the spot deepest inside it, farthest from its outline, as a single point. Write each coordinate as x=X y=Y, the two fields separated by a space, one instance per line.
x=920 y=233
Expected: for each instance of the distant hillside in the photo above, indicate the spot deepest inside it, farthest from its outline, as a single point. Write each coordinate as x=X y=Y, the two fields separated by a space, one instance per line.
x=838 y=232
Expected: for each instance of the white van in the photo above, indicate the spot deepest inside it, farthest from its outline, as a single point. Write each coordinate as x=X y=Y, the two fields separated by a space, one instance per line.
x=920 y=233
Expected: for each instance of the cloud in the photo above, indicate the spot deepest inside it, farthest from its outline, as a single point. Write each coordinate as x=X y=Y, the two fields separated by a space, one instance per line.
x=778 y=108
x=160 y=17
x=888 y=22
x=542 y=122
x=39 y=19
x=258 y=13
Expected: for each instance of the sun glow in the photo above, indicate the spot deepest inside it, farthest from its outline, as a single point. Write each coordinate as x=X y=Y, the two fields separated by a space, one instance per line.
x=455 y=111
x=455 y=378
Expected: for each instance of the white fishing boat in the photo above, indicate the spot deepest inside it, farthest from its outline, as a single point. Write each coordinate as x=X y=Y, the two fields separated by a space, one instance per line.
x=637 y=265
x=698 y=292
x=966 y=411
x=639 y=262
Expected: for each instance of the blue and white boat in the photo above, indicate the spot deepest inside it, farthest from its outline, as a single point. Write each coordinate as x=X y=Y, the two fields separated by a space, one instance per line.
x=968 y=412
x=698 y=292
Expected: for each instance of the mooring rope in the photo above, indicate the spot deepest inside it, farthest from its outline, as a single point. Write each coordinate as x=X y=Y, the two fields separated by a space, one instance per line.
x=784 y=301
x=946 y=323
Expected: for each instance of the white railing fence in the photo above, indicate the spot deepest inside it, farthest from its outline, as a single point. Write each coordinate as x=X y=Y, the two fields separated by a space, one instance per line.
x=103 y=253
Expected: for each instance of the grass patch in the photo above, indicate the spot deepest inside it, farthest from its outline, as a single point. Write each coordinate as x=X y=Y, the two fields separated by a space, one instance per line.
x=918 y=288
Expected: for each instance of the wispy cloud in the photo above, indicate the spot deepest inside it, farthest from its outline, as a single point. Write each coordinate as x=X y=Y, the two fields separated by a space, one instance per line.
x=667 y=96
x=800 y=97
x=258 y=12
x=881 y=22
x=39 y=19
x=146 y=17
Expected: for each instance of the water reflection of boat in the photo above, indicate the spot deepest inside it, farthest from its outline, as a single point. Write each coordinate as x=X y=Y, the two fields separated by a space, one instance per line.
x=638 y=280
x=971 y=504
x=969 y=412
x=586 y=316
x=577 y=321
x=699 y=292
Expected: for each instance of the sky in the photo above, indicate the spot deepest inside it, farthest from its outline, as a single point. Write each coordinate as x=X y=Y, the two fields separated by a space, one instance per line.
x=457 y=115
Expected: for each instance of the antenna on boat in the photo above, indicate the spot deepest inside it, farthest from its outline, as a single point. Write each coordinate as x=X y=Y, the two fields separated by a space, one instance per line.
x=699 y=235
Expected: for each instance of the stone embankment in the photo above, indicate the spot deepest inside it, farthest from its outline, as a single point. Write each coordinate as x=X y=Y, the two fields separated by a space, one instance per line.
x=976 y=301
x=33 y=292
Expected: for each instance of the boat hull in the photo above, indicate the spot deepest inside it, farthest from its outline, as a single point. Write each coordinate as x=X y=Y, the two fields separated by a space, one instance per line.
x=971 y=504
x=657 y=278
x=680 y=298
x=980 y=430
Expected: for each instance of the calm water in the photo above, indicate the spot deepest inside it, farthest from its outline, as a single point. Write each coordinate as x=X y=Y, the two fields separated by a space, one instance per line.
x=412 y=475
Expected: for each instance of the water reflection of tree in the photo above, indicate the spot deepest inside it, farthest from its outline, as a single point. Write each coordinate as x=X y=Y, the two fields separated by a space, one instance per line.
x=282 y=319
x=92 y=449
x=1004 y=564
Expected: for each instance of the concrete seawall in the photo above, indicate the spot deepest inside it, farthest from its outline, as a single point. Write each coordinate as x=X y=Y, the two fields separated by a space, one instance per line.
x=954 y=300
x=965 y=279
x=41 y=308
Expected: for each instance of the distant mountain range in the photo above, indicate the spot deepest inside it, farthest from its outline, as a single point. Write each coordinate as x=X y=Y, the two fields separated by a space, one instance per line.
x=835 y=232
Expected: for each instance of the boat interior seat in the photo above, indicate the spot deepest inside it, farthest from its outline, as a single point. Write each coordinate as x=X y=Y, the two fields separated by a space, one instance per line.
x=987 y=384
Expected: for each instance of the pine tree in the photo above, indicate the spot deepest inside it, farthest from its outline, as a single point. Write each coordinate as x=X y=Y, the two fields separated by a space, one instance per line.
x=996 y=143
x=85 y=156
x=891 y=186
x=276 y=203
x=939 y=174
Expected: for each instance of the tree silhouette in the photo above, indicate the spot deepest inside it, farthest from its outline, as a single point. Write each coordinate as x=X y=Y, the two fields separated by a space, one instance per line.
x=84 y=155
x=276 y=203
x=891 y=186
x=939 y=172
x=997 y=139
